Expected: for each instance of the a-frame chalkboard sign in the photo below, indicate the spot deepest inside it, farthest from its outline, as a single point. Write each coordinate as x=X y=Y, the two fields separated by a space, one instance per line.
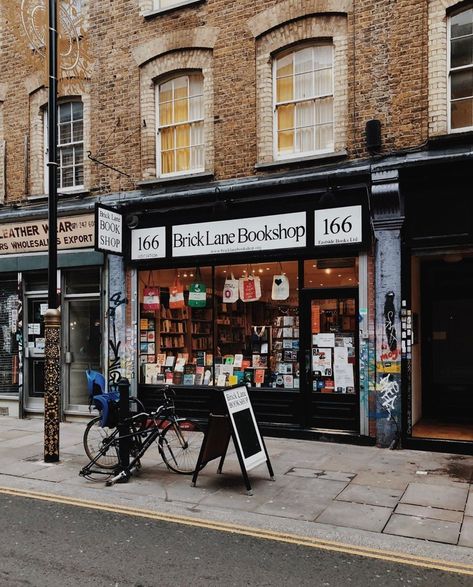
x=237 y=421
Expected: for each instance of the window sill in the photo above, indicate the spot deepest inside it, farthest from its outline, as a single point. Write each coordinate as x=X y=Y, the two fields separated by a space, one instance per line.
x=147 y=183
x=159 y=11
x=301 y=160
x=451 y=139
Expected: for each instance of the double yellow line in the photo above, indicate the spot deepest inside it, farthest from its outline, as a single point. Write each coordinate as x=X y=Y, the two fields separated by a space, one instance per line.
x=385 y=555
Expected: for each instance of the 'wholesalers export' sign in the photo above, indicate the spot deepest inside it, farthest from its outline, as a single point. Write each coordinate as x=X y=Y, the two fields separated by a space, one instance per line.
x=262 y=233
x=74 y=232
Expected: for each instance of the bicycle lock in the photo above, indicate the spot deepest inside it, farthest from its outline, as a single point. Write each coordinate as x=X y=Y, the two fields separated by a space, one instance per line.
x=123 y=428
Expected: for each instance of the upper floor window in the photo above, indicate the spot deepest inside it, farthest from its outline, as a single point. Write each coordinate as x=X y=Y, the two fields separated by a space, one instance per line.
x=303 y=102
x=163 y=4
x=180 y=144
x=70 y=147
x=461 y=70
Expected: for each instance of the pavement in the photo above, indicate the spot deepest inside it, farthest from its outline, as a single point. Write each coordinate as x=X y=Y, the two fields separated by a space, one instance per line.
x=403 y=501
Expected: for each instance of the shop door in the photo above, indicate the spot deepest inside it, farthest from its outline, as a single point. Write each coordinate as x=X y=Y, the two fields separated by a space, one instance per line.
x=447 y=368
x=82 y=349
x=34 y=356
x=331 y=349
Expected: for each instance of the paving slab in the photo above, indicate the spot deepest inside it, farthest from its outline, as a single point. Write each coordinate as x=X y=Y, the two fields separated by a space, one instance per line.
x=444 y=497
x=371 y=495
x=383 y=479
x=469 y=504
x=321 y=474
x=466 y=534
x=424 y=528
x=355 y=515
x=429 y=512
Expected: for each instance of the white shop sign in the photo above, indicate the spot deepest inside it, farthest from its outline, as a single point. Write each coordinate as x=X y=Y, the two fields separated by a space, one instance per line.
x=148 y=243
x=109 y=230
x=338 y=226
x=262 y=233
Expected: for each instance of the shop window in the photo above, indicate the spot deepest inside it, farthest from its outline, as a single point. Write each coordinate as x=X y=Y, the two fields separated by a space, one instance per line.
x=176 y=326
x=180 y=144
x=9 y=366
x=82 y=281
x=461 y=70
x=303 y=101
x=230 y=324
x=331 y=273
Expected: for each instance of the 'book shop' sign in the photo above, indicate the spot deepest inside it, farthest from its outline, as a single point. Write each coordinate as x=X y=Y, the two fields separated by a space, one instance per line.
x=281 y=231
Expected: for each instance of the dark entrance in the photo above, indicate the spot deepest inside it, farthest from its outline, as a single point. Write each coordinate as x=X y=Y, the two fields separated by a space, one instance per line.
x=447 y=340
x=330 y=344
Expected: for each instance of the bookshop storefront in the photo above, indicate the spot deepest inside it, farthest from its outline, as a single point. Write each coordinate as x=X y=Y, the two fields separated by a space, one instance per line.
x=268 y=300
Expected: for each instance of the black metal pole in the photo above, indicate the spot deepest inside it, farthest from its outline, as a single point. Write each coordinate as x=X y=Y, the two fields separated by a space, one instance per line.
x=53 y=318
x=52 y=159
x=123 y=428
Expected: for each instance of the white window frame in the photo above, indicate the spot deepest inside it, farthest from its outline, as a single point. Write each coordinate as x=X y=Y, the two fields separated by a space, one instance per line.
x=449 y=72
x=191 y=170
x=69 y=189
x=158 y=8
x=276 y=154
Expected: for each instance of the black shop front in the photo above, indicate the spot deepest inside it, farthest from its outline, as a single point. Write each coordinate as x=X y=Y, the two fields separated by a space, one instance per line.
x=267 y=293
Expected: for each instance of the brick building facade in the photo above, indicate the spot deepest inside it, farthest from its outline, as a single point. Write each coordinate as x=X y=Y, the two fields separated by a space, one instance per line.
x=278 y=95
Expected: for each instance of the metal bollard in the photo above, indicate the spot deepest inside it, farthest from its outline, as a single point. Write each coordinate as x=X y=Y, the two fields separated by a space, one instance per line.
x=123 y=429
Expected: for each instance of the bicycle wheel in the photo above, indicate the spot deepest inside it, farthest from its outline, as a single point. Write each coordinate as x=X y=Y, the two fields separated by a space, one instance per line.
x=179 y=445
x=95 y=439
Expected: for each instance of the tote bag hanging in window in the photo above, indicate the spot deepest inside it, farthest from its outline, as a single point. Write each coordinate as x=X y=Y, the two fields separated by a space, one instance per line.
x=230 y=290
x=176 y=295
x=250 y=289
x=197 y=292
x=151 y=299
x=280 y=289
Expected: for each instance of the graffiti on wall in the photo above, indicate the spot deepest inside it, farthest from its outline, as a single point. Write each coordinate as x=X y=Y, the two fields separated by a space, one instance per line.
x=388 y=393
x=389 y=316
x=114 y=360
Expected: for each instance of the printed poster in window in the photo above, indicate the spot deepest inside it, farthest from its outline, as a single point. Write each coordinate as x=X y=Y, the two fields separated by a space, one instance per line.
x=344 y=381
x=322 y=361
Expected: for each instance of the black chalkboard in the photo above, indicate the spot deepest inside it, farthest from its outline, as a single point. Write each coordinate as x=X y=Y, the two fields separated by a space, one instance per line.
x=236 y=420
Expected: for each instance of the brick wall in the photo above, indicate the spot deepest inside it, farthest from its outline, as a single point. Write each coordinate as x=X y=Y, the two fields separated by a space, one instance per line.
x=386 y=77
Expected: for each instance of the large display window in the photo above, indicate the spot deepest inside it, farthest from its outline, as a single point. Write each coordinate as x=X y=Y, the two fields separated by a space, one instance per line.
x=221 y=325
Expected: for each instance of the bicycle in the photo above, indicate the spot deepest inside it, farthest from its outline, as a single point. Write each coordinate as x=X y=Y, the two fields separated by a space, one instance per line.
x=178 y=439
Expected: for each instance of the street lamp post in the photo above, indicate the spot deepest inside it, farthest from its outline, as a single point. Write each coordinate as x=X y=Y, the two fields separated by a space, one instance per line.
x=52 y=317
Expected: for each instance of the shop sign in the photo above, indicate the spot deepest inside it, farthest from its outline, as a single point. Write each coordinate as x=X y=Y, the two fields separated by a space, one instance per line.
x=262 y=233
x=73 y=232
x=148 y=243
x=109 y=230
x=338 y=226
x=245 y=428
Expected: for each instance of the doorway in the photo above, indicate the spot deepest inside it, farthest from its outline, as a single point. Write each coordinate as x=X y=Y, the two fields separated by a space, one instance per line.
x=82 y=338
x=330 y=338
x=446 y=294
x=34 y=357
x=82 y=348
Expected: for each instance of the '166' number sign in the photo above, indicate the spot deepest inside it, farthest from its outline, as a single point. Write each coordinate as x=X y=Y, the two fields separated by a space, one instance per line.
x=148 y=243
x=337 y=226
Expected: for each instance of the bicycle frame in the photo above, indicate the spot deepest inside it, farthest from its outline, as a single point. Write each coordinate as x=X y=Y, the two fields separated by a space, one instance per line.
x=149 y=433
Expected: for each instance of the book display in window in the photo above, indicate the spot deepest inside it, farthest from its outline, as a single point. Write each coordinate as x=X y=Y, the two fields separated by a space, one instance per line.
x=201 y=325
x=230 y=327
x=333 y=346
x=286 y=350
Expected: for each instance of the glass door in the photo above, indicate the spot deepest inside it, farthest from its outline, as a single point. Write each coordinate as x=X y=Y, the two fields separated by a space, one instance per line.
x=83 y=339
x=34 y=356
x=331 y=349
